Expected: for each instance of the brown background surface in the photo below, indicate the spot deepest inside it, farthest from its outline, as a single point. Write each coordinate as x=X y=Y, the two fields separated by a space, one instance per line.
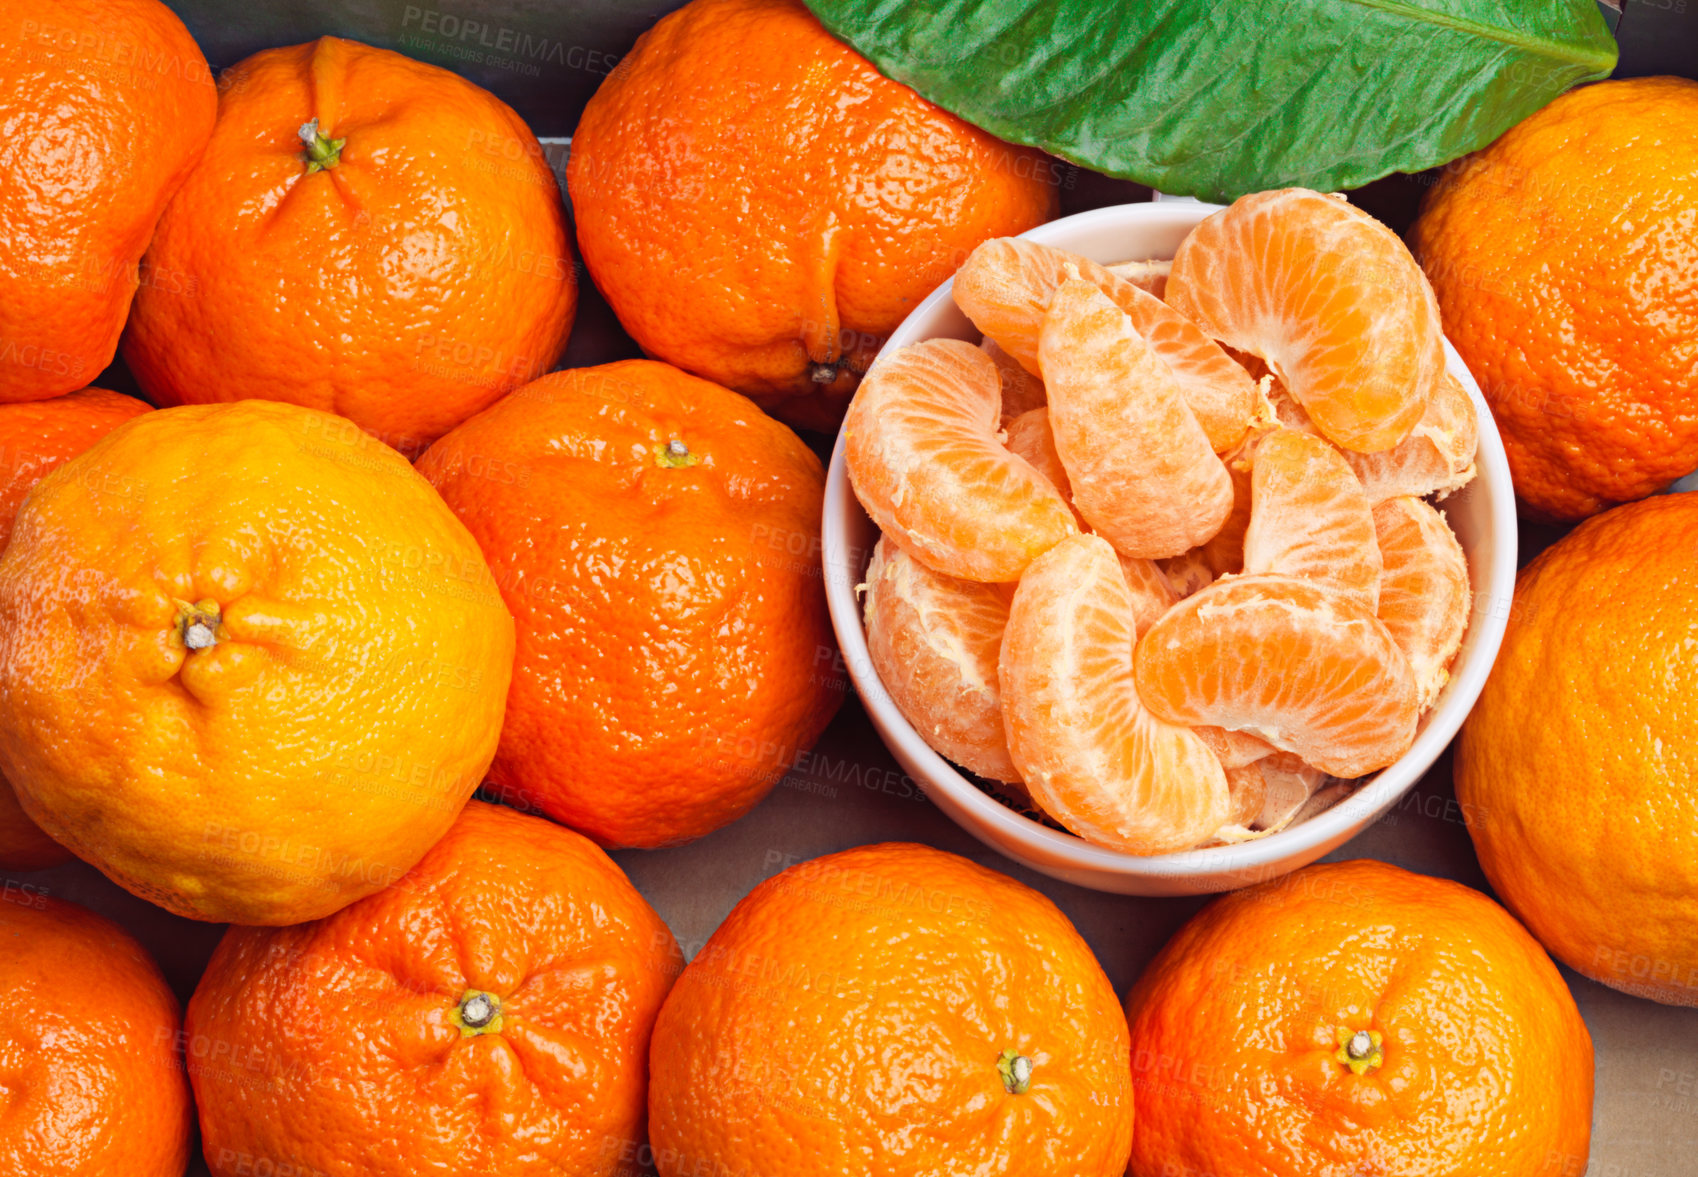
x=848 y=791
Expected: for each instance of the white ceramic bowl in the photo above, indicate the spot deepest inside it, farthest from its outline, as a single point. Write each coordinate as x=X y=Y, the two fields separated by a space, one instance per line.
x=1482 y=515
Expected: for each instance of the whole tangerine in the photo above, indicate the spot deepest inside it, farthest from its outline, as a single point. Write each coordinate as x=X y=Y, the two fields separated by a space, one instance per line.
x=367 y=235
x=657 y=540
x=762 y=207
x=107 y=105
x=250 y=665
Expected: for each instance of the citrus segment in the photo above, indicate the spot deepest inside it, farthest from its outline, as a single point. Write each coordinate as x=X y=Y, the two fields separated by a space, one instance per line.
x=1424 y=597
x=921 y=445
x=1310 y=518
x=1233 y=749
x=1223 y=553
x=1299 y=664
x=1437 y=458
x=1329 y=298
x=1143 y=472
x=1288 y=783
x=1006 y=285
x=1029 y=436
x=1152 y=596
x=1090 y=753
x=1021 y=390
x=1148 y=275
x=934 y=641
x=1248 y=792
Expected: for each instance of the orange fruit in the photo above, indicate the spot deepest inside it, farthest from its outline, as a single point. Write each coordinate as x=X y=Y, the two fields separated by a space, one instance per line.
x=1437 y=458
x=403 y=269
x=1142 y=471
x=922 y=449
x=1329 y=298
x=36 y=437
x=1353 y=1018
x=1222 y=553
x=89 y=1034
x=1309 y=517
x=1152 y=595
x=109 y=104
x=1299 y=664
x=657 y=539
x=1574 y=300
x=897 y=1010
x=1575 y=768
x=489 y=1014
x=934 y=643
x=1006 y=286
x=250 y=665
x=1088 y=750
x=1424 y=595
x=762 y=207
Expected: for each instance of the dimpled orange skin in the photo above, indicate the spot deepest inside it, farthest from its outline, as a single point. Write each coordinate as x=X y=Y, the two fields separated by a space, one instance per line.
x=88 y=1049
x=1575 y=770
x=1485 y=1065
x=849 y=1017
x=346 y=708
x=346 y=1035
x=36 y=437
x=674 y=649
x=107 y=105
x=405 y=287
x=761 y=206
x=1566 y=268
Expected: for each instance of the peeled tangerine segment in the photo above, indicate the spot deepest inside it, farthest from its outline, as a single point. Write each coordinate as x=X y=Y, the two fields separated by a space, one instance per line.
x=1309 y=517
x=924 y=456
x=1021 y=390
x=1424 y=597
x=1143 y=473
x=1090 y=753
x=1437 y=458
x=1005 y=287
x=1028 y=435
x=1301 y=665
x=1329 y=298
x=934 y=641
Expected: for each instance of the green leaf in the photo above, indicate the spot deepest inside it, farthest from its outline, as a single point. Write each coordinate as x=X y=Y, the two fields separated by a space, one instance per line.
x=1216 y=98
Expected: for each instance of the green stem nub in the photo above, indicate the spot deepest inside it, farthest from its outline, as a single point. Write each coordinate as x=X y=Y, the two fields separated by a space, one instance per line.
x=322 y=153
x=478 y=1013
x=1016 y=1072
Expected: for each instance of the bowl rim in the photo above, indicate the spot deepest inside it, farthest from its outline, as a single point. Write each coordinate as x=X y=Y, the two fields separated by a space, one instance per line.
x=1488 y=620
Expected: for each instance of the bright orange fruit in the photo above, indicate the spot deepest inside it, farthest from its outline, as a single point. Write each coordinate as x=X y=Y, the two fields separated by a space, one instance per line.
x=1089 y=751
x=251 y=664
x=1006 y=286
x=1565 y=262
x=1575 y=770
x=923 y=453
x=403 y=270
x=1301 y=665
x=934 y=643
x=110 y=104
x=1142 y=471
x=895 y=1010
x=657 y=540
x=89 y=1035
x=762 y=207
x=488 y=1014
x=1354 y=1018
x=1329 y=298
